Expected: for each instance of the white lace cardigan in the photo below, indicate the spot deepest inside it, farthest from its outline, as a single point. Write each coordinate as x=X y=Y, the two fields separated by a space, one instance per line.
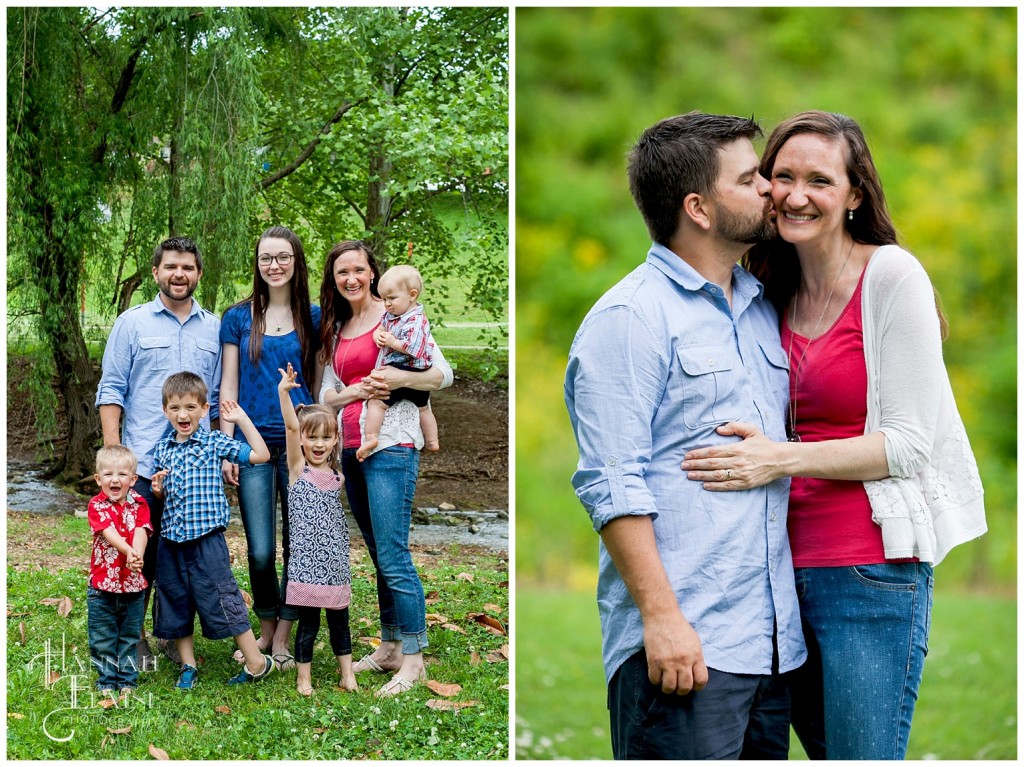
x=933 y=500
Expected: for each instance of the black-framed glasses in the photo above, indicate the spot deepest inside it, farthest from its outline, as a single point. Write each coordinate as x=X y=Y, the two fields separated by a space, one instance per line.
x=283 y=259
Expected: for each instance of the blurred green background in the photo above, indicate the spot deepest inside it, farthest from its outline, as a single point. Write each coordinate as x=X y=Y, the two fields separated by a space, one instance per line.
x=935 y=92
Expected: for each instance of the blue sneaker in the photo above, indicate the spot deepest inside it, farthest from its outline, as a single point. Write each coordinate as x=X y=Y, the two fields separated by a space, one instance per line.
x=244 y=677
x=188 y=677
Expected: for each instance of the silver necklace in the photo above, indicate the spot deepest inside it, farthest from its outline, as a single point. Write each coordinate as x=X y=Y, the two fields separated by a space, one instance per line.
x=792 y=436
x=280 y=324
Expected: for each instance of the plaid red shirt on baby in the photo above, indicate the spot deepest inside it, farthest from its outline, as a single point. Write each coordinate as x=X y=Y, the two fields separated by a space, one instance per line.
x=108 y=570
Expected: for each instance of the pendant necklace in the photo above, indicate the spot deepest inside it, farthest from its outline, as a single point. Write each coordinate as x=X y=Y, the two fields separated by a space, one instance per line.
x=792 y=435
x=280 y=324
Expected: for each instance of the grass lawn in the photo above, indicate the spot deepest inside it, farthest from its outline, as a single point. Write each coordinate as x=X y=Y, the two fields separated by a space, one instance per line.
x=967 y=707
x=58 y=717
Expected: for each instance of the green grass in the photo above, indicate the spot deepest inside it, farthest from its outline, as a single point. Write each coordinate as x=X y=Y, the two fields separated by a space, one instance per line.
x=967 y=707
x=267 y=720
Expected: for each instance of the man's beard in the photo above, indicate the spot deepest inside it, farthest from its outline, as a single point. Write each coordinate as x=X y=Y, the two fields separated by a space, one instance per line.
x=746 y=230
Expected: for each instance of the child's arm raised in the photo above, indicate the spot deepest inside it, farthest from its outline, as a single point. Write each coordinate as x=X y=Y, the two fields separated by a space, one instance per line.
x=232 y=412
x=291 y=423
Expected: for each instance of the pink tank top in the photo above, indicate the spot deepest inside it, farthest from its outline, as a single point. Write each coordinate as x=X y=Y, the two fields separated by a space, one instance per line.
x=354 y=359
x=830 y=520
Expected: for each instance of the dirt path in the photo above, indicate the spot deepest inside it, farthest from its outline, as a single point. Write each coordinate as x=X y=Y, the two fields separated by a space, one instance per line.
x=470 y=472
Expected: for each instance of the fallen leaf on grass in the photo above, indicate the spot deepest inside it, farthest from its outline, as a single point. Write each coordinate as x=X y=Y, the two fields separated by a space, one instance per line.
x=105 y=741
x=372 y=641
x=157 y=753
x=491 y=624
x=64 y=608
x=497 y=656
x=474 y=658
x=503 y=585
x=184 y=723
x=435 y=618
x=444 y=690
x=365 y=621
x=21 y=632
x=451 y=705
x=432 y=595
x=122 y=731
x=492 y=608
x=223 y=709
x=453 y=627
x=464 y=577
x=106 y=703
x=50 y=601
x=320 y=730
x=15 y=715
x=53 y=677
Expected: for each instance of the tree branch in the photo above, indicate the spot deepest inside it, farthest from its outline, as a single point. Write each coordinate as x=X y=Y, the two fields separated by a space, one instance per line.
x=307 y=152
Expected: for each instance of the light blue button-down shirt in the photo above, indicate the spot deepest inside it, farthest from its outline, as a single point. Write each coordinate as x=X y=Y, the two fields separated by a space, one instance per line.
x=659 y=362
x=146 y=345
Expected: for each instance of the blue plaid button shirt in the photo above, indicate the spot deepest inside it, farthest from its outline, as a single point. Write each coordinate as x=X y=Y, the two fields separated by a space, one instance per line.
x=194 y=500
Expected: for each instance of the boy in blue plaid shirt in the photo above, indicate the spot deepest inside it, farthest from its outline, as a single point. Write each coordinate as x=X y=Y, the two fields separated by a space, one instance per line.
x=193 y=570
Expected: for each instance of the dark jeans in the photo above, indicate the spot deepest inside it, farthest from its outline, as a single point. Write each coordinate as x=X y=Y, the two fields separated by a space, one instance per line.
x=115 y=621
x=260 y=486
x=309 y=627
x=737 y=716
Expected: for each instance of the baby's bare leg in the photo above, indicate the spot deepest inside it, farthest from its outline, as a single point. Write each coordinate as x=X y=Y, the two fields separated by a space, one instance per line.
x=375 y=410
x=429 y=426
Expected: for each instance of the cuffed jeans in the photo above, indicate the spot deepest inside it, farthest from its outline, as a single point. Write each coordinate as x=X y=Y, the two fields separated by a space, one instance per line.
x=115 y=621
x=866 y=628
x=259 y=486
x=380 y=492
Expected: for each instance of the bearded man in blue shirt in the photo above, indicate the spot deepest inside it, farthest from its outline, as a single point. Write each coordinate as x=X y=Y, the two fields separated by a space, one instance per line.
x=170 y=334
x=698 y=607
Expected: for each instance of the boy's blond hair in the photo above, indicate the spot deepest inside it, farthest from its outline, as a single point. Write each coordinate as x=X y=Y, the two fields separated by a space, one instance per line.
x=316 y=417
x=405 y=275
x=115 y=454
x=184 y=384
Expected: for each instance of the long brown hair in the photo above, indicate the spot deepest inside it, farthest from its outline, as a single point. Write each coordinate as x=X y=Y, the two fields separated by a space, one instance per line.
x=302 y=316
x=335 y=311
x=775 y=262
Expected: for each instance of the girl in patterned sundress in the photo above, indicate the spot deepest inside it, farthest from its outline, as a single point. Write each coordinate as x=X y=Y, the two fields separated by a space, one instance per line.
x=319 y=575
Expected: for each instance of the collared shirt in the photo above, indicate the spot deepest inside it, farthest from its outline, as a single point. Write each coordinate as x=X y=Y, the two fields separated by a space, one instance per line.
x=413 y=330
x=194 y=500
x=658 y=363
x=108 y=568
x=146 y=345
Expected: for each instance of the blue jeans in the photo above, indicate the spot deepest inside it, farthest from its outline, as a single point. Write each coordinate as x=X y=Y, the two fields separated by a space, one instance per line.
x=866 y=628
x=115 y=621
x=380 y=492
x=737 y=716
x=259 y=486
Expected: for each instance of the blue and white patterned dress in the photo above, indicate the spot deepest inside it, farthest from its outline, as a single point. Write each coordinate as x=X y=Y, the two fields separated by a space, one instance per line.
x=319 y=573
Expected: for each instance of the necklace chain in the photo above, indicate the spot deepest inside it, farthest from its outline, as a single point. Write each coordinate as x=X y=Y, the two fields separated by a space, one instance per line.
x=279 y=324
x=795 y=377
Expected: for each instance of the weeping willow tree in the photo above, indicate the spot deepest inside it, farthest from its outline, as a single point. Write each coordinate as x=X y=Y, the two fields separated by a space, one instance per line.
x=124 y=126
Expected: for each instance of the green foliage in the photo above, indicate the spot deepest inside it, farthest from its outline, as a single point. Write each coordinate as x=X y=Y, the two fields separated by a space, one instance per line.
x=935 y=91
x=560 y=689
x=268 y=720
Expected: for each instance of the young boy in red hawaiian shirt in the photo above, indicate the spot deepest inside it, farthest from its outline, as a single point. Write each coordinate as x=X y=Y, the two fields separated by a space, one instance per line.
x=119 y=518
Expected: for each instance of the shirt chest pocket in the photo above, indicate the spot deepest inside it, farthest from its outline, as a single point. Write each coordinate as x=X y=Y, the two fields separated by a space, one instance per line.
x=708 y=384
x=778 y=372
x=155 y=351
x=205 y=355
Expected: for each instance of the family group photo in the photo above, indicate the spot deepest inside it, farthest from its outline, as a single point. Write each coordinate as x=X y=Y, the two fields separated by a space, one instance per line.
x=257 y=302
x=511 y=383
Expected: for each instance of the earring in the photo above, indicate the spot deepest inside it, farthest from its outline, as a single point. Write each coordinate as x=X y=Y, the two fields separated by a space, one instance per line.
x=849 y=214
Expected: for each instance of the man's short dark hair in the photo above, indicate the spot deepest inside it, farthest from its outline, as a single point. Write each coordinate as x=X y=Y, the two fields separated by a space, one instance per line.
x=676 y=157
x=181 y=245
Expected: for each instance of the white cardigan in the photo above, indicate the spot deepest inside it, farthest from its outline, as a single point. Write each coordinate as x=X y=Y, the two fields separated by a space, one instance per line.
x=932 y=500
